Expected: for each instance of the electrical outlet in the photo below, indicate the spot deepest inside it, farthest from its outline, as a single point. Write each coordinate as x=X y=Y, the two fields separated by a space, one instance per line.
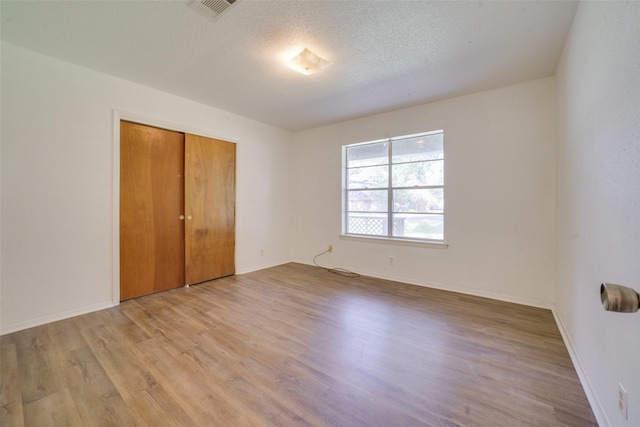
x=623 y=401
x=391 y=260
x=261 y=252
x=330 y=248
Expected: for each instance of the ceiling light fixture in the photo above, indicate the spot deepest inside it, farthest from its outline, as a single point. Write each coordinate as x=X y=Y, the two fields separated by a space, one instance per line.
x=307 y=62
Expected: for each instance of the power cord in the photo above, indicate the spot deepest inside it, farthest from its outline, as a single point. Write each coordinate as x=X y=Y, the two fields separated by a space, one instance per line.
x=340 y=271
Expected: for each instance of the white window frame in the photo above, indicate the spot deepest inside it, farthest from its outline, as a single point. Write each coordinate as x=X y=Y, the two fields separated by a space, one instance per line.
x=389 y=237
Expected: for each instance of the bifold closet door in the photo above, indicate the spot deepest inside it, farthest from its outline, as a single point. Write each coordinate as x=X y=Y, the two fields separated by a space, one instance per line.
x=210 y=189
x=151 y=203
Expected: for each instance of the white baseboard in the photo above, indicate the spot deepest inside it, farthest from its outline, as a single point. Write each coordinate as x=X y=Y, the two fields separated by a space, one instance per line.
x=592 y=397
x=461 y=290
x=20 y=326
x=261 y=267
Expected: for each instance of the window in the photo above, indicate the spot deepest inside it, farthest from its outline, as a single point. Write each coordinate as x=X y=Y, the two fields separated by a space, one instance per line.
x=394 y=188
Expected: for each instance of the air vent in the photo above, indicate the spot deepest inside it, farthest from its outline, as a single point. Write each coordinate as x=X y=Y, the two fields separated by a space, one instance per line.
x=212 y=8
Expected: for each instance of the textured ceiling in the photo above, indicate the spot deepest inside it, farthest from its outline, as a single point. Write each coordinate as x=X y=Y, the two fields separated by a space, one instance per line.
x=386 y=54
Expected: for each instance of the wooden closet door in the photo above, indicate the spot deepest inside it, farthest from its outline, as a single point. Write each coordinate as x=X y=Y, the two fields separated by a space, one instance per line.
x=210 y=188
x=151 y=202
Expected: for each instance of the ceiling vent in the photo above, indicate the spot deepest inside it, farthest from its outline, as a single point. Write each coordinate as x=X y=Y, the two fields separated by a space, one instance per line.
x=212 y=8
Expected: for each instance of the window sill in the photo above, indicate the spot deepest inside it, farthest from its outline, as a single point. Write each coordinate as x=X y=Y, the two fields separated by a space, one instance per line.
x=395 y=241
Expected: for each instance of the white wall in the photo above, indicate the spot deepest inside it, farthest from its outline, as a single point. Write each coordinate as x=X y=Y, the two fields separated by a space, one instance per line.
x=499 y=196
x=57 y=183
x=598 y=203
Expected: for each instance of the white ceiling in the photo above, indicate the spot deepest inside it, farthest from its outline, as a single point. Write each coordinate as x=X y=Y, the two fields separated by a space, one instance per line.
x=386 y=54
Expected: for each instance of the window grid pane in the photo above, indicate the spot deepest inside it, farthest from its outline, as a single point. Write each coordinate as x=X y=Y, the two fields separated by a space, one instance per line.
x=368 y=155
x=367 y=224
x=418 y=173
x=429 y=200
x=418 y=226
x=368 y=200
x=418 y=148
x=368 y=177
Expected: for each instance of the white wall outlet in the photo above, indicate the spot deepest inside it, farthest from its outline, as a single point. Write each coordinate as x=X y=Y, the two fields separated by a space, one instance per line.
x=330 y=248
x=623 y=401
x=261 y=252
x=391 y=260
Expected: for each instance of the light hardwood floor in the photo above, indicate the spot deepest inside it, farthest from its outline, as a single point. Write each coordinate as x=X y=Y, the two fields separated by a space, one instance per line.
x=295 y=345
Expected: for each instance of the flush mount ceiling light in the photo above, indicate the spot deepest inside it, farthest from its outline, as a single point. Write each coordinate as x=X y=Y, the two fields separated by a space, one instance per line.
x=307 y=62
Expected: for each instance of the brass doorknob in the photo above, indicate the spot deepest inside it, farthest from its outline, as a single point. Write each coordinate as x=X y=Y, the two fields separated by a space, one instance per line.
x=189 y=217
x=181 y=217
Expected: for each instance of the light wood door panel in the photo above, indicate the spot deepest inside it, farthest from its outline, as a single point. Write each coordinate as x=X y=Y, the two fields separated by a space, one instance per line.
x=151 y=202
x=209 y=208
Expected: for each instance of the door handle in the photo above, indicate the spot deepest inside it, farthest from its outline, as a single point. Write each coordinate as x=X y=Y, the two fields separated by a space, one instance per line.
x=619 y=298
x=181 y=217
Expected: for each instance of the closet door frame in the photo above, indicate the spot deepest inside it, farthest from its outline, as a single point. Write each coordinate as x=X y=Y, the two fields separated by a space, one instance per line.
x=119 y=115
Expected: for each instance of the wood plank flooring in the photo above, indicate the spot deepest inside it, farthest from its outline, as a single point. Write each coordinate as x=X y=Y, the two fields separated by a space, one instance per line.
x=294 y=345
